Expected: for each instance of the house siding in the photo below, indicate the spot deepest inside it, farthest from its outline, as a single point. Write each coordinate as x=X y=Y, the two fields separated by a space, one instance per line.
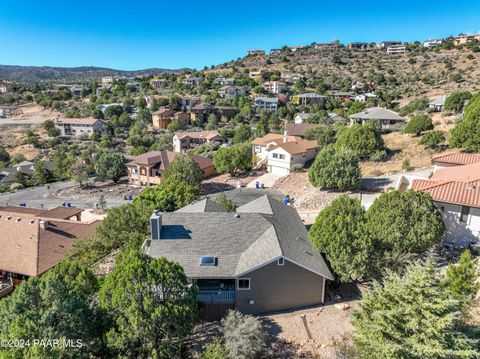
x=276 y=287
x=457 y=232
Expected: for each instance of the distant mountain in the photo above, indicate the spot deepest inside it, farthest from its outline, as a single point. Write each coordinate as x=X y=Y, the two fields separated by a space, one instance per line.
x=69 y=74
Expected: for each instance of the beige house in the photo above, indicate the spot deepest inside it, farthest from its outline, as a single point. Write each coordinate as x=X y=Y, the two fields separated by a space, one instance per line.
x=73 y=127
x=256 y=260
x=386 y=117
x=147 y=169
x=164 y=116
x=183 y=141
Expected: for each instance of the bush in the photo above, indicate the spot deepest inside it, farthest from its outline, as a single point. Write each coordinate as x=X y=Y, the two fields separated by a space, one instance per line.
x=461 y=278
x=432 y=139
x=215 y=350
x=456 y=100
x=361 y=139
x=243 y=334
x=466 y=134
x=335 y=169
x=419 y=124
x=183 y=169
x=234 y=158
x=324 y=135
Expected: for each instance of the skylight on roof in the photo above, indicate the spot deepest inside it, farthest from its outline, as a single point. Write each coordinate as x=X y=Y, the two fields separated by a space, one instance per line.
x=208 y=261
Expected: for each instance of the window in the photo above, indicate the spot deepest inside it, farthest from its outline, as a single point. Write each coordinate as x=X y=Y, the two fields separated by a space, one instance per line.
x=464 y=214
x=208 y=261
x=282 y=157
x=280 y=261
x=243 y=284
x=275 y=155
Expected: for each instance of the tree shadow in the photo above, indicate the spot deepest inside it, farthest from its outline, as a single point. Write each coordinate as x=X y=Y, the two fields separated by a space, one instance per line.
x=215 y=187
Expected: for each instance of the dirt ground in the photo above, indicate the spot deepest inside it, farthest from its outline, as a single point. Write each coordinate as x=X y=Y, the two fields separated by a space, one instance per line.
x=304 y=195
x=32 y=111
x=226 y=182
x=93 y=191
x=13 y=137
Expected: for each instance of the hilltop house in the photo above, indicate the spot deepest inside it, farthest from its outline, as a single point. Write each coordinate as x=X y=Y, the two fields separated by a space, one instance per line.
x=192 y=81
x=255 y=52
x=432 y=42
x=267 y=103
x=396 y=49
x=256 y=260
x=305 y=99
x=303 y=116
x=437 y=103
x=147 y=169
x=190 y=101
x=224 y=81
x=341 y=95
x=158 y=83
x=363 y=97
x=387 y=118
x=164 y=116
x=201 y=112
x=35 y=240
x=275 y=87
x=456 y=192
x=386 y=44
x=358 y=45
x=183 y=141
x=72 y=127
x=463 y=39
x=231 y=91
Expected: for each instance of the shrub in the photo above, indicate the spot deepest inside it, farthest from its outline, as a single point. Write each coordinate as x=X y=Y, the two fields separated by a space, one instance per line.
x=419 y=124
x=432 y=139
x=215 y=350
x=361 y=139
x=466 y=134
x=461 y=278
x=243 y=334
x=456 y=100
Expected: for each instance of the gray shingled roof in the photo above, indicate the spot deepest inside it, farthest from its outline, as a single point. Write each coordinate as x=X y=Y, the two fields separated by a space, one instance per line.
x=439 y=101
x=205 y=205
x=378 y=113
x=260 y=231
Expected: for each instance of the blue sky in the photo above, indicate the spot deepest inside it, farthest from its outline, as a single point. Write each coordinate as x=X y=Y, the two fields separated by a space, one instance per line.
x=172 y=34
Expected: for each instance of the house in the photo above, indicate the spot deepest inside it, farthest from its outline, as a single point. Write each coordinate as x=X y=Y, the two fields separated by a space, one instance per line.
x=26 y=168
x=255 y=52
x=275 y=87
x=192 y=81
x=303 y=116
x=183 y=141
x=386 y=44
x=341 y=95
x=292 y=78
x=432 y=42
x=298 y=129
x=73 y=127
x=305 y=99
x=256 y=260
x=190 y=101
x=267 y=103
x=158 y=83
x=164 y=116
x=254 y=74
x=326 y=45
x=358 y=45
x=107 y=80
x=363 y=97
x=386 y=117
x=437 y=103
x=295 y=48
x=452 y=159
x=224 y=81
x=287 y=156
x=3 y=89
x=275 y=51
x=35 y=240
x=7 y=111
x=463 y=39
x=77 y=90
x=201 y=112
x=261 y=144
x=396 y=49
x=456 y=192
x=147 y=169
x=231 y=91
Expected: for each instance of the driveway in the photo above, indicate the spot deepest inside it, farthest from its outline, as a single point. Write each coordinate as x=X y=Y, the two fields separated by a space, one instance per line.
x=42 y=196
x=268 y=179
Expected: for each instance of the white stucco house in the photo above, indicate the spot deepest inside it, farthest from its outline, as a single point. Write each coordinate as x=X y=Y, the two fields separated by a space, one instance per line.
x=456 y=192
x=73 y=127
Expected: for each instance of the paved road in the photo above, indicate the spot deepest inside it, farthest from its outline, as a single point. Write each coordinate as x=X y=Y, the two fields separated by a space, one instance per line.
x=37 y=196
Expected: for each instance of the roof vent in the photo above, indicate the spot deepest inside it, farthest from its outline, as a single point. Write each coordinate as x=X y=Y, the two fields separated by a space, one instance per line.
x=237 y=215
x=208 y=261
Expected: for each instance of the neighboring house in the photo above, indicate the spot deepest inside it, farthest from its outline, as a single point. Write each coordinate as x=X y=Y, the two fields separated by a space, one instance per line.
x=275 y=87
x=452 y=159
x=295 y=48
x=386 y=44
x=231 y=91
x=35 y=240
x=292 y=77
x=341 y=95
x=261 y=144
x=26 y=168
x=7 y=111
x=183 y=141
x=77 y=90
x=255 y=52
x=456 y=192
x=72 y=127
x=192 y=81
x=147 y=169
x=164 y=116
x=305 y=99
x=256 y=260
x=463 y=39
x=190 y=101
x=363 y=97
x=224 y=81
x=158 y=83
x=298 y=129
x=288 y=156
x=254 y=74
x=358 y=45
x=326 y=45
x=432 y=42
x=396 y=49
x=303 y=116
x=201 y=112
x=437 y=103
x=267 y=103
x=387 y=118
x=3 y=89
x=275 y=51
x=107 y=80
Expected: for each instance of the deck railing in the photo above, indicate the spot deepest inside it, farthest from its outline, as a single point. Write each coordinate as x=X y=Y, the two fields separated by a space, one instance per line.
x=216 y=296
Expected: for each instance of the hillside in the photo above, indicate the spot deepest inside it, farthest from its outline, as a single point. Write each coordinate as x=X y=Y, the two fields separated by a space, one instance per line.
x=419 y=72
x=69 y=74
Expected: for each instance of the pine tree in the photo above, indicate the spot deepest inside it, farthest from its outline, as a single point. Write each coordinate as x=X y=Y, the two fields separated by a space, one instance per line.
x=461 y=278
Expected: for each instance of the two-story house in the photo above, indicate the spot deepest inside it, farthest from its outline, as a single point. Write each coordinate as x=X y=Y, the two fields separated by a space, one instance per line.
x=266 y=103
x=256 y=260
x=183 y=141
x=305 y=99
x=73 y=127
x=231 y=91
x=165 y=116
x=275 y=87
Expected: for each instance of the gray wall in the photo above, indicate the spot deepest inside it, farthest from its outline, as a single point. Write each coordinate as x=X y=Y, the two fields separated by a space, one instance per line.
x=275 y=287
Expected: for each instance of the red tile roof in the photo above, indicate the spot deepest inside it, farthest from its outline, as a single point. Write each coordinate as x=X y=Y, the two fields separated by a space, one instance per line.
x=163 y=158
x=456 y=158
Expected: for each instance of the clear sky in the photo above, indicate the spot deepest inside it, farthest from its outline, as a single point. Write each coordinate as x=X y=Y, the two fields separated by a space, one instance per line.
x=173 y=34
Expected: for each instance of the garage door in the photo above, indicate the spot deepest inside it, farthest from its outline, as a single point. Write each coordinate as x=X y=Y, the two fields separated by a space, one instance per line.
x=278 y=170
